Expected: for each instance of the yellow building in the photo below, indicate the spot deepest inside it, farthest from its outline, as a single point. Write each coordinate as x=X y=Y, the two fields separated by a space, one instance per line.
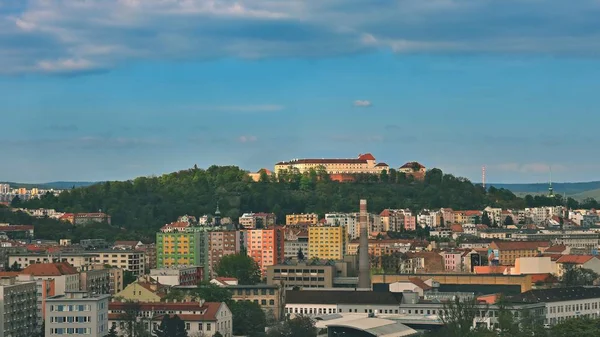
x=142 y=291
x=292 y=219
x=327 y=242
x=504 y=253
x=365 y=163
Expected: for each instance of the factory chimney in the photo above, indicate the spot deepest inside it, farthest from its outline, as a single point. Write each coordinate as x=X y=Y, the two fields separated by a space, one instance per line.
x=364 y=269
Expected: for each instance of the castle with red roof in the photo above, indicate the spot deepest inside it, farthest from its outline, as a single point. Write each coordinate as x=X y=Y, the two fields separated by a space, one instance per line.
x=336 y=168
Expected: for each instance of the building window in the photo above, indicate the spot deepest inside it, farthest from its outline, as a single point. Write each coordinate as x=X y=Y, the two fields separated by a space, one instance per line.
x=208 y=327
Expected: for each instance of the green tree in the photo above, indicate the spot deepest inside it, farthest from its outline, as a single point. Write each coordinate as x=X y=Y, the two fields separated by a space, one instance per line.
x=575 y=276
x=458 y=317
x=16 y=202
x=112 y=332
x=299 y=326
x=128 y=278
x=171 y=327
x=485 y=219
x=240 y=266
x=248 y=319
x=580 y=327
x=213 y=293
x=300 y=254
x=217 y=334
x=508 y=221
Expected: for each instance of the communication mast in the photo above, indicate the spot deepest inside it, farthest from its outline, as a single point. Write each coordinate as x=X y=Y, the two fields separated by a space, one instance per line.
x=483 y=176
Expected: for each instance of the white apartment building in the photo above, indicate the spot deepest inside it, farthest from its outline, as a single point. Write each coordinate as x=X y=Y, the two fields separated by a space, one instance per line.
x=65 y=276
x=77 y=313
x=427 y=218
x=77 y=260
x=18 y=307
x=4 y=188
x=200 y=318
x=352 y=222
x=131 y=260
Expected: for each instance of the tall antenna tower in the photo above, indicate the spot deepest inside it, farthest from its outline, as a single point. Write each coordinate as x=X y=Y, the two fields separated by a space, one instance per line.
x=483 y=176
x=550 y=189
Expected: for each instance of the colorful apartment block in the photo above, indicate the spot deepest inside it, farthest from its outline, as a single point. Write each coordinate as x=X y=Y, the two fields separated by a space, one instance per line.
x=504 y=253
x=266 y=246
x=327 y=242
x=311 y=218
x=182 y=249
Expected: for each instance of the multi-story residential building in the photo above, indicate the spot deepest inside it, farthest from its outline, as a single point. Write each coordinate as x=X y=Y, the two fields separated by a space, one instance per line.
x=504 y=253
x=427 y=218
x=495 y=215
x=173 y=276
x=378 y=248
x=257 y=220
x=4 y=188
x=45 y=289
x=447 y=217
x=94 y=281
x=182 y=248
x=77 y=313
x=222 y=243
x=495 y=233
x=577 y=261
x=351 y=222
x=586 y=240
x=76 y=260
x=392 y=220
x=18 y=307
x=269 y=297
x=266 y=246
x=302 y=275
x=296 y=240
x=85 y=218
x=65 y=276
x=7 y=249
x=144 y=289
x=364 y=164
x=327 y=242
x=115 y=277
x=149 y=255
x=453 y=261
x=310 y=218
x=131 y=260
x=200 y=318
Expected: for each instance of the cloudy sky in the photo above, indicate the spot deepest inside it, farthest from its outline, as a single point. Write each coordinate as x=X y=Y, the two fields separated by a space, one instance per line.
x=114 y=89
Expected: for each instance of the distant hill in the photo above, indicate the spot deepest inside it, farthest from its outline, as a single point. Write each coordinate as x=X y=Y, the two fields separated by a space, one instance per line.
x=57 y=185
x=570 y=189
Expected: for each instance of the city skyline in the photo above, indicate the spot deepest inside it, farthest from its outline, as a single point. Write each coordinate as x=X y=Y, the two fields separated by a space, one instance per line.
x=113 y=90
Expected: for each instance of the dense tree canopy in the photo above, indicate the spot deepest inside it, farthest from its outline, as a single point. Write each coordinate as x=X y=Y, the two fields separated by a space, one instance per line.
x=145 y=204
x=299 y=326
x=171 y=327
x=240 y=266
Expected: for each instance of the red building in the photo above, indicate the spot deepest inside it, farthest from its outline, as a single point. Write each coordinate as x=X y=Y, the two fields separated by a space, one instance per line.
x=266 y=246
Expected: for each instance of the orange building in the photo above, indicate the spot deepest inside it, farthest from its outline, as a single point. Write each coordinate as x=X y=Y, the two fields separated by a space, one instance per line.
x=266 y=246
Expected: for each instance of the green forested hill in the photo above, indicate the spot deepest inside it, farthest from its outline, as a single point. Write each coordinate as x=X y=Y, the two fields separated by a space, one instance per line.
x=146 y=203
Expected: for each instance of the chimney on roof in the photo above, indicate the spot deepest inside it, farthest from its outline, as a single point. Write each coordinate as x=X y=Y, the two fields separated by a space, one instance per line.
x=364 y=278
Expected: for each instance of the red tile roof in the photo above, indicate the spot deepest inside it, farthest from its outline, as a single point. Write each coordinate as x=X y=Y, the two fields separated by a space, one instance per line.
x=545 y=278
x=158 y=306
x=456 y=228
x=472 y=213
x=366 y=156
x=575 y=259
x=385 y=212
x=50 y=269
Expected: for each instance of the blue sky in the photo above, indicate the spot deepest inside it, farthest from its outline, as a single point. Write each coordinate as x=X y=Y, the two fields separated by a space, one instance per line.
x=114 y=89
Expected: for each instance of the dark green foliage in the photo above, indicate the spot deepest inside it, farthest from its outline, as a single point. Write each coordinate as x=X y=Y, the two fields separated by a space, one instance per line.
x=171 y=327
x=16 y=202
x=145 y=204
x=128 y=278
x=240 y=266
x=213 y=293
x=485 y=219
x=300 y=254
x=300 y=326
x=575 y=276
x=508 y=221
x=112 y=332
x=248 y=319
x=580 y=327
x=217 y=334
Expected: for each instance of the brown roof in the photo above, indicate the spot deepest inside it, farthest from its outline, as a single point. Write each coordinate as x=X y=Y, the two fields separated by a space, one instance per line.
x=456 y=228
x=412 y=164
x=366 y=156
x=158 y=306
x=382 y=164
x=419 y=283
x=520 y=245
x=556 y=249
x=385 y=212
x=50 y=269
x=575 y=259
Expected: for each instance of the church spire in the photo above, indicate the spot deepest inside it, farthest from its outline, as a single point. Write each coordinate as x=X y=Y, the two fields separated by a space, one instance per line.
x=550 y=189
x=217 y=218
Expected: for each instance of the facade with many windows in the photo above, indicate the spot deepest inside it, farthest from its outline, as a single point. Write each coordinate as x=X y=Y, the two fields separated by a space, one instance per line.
x=77 y=313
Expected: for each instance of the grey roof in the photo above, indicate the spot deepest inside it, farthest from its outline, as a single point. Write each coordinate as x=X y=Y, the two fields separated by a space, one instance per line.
x=342 y=297
x=376 y=327
x=556 y=295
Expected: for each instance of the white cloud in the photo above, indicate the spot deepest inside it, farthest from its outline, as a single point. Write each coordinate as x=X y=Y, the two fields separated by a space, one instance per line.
x=362 y=103
x=247 y=139
x=68 y=35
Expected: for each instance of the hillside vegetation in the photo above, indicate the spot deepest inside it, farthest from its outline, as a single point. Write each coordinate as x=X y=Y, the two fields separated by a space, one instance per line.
x=146 y=203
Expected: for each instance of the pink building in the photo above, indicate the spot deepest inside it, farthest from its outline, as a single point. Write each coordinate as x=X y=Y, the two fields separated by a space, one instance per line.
x=452 y=261
x=266 y=246
x=410 y=222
